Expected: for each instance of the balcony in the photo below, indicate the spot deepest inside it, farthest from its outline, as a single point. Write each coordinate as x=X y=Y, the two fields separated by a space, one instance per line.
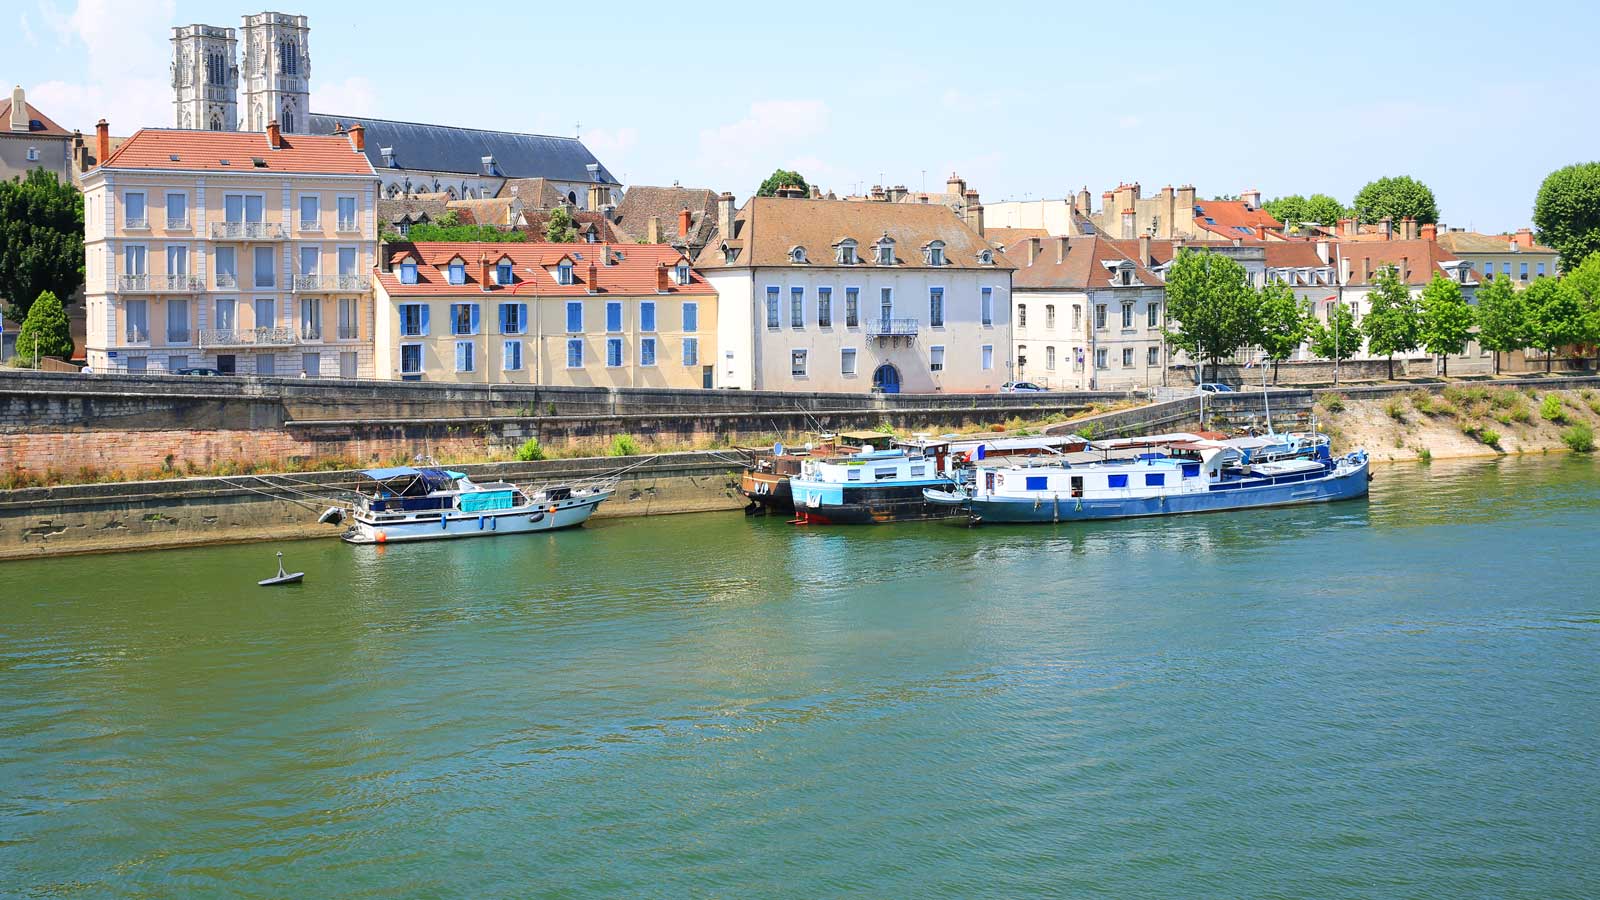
x=310 y=224
x=349 y=332
x=247 y=337
x=331 y=283
x=141 y=223
x=310 y=333
x=180 y=223
x=226 y=281
x=247 y=231
x=133 y=283
x=349 y=226
x=183 y=284
x=883 y=327
x=136 y=335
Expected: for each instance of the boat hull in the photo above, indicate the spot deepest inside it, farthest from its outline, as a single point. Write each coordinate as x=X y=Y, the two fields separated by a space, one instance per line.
x=1347 y=485
x=768 y=492
x=873 y=506
x=563 y=514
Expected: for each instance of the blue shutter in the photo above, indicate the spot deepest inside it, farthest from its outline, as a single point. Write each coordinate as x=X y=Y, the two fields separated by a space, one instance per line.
x=424 y=319
x=503 y=325
x=474 y=318
x=522 y=317
x=461 y=357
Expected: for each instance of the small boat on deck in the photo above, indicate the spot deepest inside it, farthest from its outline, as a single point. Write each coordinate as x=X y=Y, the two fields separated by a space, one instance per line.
x=874 y=486
x=409 y=503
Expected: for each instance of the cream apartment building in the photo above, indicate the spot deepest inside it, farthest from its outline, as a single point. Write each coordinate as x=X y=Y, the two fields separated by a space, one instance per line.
x=841 y=296
x=588 y=315
x=250 y=253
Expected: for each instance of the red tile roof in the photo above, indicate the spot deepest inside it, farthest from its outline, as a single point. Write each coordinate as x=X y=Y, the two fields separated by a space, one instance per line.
x=633 y=272
x=204 y=151
x=46 y=126
x=1227 y=216
x=1422 y=259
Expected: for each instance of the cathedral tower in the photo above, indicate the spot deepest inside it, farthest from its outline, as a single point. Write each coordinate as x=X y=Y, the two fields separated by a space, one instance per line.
x=205 y=78
x=277 y=72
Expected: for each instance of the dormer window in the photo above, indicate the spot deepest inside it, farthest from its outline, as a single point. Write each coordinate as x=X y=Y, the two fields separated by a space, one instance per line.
x=934 y=253
x=797 y=254
x=885 y=250
x=457 y=271
x=845 y=252
x=564 y=273
x=503 y=273
x=985 y=257
x=728 y=255
x=408 y=272
x=682 y=272
x=1125 y=276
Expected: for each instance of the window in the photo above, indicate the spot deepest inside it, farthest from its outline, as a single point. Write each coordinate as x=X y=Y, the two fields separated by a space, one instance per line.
x=1541 y=270
x=33 y=154
x=134 y=214
x=1100 y=358
x=613 y=352
x=797 y=254
x=682 y=272
x=986 y=257
x=464 y=360
x=1153 y=315
x=1127 y=357
x=1153 y=479
x=410 y=359
x=513 y=318
x=574 y=316
x=504 y=273
x=1049 y=317
x=772 y=308
x=138 y=364
x=1522 y=272
x=413 y=320
x=1022 y=315
x=1050 y=358
x=574 y=353
x=348 y=329
x=824 y=307
x=310 y=212
x=311 y=364
x=987 y=356
x=1099 y=316
x=647 y=351
x=311 y=319
x=177 y=321
x=846 y=253
x=936 y=254
x=847 y=361
x=886 y=306
x=349 y=363
x=936 y=358
x=614 y=317
x=347 y=268
x=564 y=273
x=1116 y=481
x=936 y=307
x=691 y=351
x=1127 y=315
x=797 y=363
x=266 y=364
x=1125 y=275
x=226 y=318
x=265 y=277
x=177 y=211
x=174 y=363
x=1488 y=268
x=886 y=253
x=408 y=273
x=463 y=318
x=309 y=259
x=1077 y=316
x=457 y=273
x=227 y=264
x=511 y=356
x=988 y=306
x=852 y=307
x=177 y=259
x=1152 y=356
x=266 y=311
x=691 y=317
x=347 y=213
x=1036 y=482
x=797 y=308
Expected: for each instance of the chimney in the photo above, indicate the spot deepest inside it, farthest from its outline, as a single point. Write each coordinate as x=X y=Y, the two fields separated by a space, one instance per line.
x=1366 y=269
x=19 y=110
x=1144 y=250
x=816 y=192
x=102 y=142
x=594 y=278
x=605 y=254
x=652 y=230
x=1430 y=232
x=1386 y=227
x=1033 y=250
x=955 y=184
x=1344 y=270
x=1251 y=198
x=1525 y=238
x=1349 y=227
x=1322 y=251
x=661 y=278
x=483 y=271
x=683 y=223
x=1127 y=224
x=1083 y=201
x=358 y=137
x=725 y=215
x=877 y=193
x=1408 y=229
x=1405 y=269
x=974 y=211
x=1261 y=232
x=1061 y=250
x=274 y=137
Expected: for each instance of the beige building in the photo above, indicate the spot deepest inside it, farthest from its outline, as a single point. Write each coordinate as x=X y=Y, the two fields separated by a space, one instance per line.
x=835 y=295
x=1515 y=256
x=29 y=140
x=249 y=253
x=589 y=315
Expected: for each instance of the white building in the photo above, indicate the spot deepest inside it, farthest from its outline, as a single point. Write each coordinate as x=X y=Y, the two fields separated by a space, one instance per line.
x=840 y=296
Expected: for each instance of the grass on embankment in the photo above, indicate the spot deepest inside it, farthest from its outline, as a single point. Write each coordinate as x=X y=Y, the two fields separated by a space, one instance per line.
x=1463 y=420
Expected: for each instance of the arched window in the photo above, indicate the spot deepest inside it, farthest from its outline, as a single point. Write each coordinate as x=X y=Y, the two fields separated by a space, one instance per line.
x=572 y=197
x=288 y=57
x=288 y=120
x=797 y=254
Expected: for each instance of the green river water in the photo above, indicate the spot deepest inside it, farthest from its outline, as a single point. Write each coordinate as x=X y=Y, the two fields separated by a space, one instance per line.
x=1395 y=697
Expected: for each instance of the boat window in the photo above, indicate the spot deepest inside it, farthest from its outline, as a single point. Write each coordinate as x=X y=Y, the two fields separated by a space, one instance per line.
x=881 y=474
x=1038 y=482
x=853 y=475
x=1117 y=481
x=1077 y=485
x=1191 y=470
x=988 y=480
x=918 y=471
x=1155 y=478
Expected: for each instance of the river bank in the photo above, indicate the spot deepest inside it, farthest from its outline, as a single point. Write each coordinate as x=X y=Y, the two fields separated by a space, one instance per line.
x=1459 y=421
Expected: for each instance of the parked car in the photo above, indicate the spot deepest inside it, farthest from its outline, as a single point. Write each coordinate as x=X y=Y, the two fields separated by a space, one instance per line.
x=198 y=370
x=1021 y=387
x=1213 y=387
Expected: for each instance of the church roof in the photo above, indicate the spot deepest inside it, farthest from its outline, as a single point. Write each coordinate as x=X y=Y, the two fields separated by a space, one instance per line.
x=447 y=148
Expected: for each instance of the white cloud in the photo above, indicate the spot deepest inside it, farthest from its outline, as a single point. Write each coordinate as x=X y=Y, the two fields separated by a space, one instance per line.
x=773 y=134
x=612 y=147
x=124 y=45
x=1128 y=122
x=25 y=28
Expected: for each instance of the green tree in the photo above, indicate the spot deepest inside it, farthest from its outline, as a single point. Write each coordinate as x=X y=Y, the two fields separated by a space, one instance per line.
x=1294 y=209
x=782 y=178
x=1555 y=317
x=1393 y=324
x=1397 y=198
x=1210 y=301
x=1288 y=210
x=1446 y=319
x=559 y=229
x=1338 y=338
x=41 y=239
x=1282 y=322
x=433 y=231
x=1502 y=318
x=45 y=332
x=1584 y=280
x=1567 y=212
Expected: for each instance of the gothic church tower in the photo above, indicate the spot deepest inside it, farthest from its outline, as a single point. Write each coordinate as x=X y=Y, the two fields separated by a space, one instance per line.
x=277 y=72
x=205 y=78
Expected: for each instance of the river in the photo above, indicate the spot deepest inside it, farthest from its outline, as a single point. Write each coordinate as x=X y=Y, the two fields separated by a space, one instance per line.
x=1395 y=697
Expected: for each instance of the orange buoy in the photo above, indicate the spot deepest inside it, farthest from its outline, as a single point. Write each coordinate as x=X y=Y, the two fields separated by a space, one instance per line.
x=383 y=537
x=552 y=510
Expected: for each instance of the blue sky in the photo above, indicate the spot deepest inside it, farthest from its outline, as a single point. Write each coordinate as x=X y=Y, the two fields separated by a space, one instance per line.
x=1479 y=100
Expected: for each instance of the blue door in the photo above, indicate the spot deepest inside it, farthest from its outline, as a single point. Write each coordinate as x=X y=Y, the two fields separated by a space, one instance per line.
x=886 y=379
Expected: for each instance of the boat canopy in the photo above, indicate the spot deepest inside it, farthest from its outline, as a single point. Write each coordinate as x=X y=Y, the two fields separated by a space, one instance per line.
x=412 y=480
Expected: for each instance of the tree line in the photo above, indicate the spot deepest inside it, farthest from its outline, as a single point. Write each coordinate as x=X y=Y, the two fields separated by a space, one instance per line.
x=1213 y=311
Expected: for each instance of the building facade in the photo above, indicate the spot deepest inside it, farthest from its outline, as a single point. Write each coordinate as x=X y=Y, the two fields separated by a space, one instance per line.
x=248 y=253
x=835 y=295
x=29 y=140
x=1515 y=256
x=634 y=315
x=276 y=75
x=205 y=78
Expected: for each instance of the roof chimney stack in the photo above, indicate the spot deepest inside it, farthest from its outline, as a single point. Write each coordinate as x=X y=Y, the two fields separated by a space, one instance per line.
x=19 y=109
x=274 y=138
x=661 y=278
x=594 y=278
x=1033 y=250
x=102 y=142
x=652 y=230
x=1525 y=238
x=1430 y=231
x=1061 y=250
x=683 y=223
x=725 y=215
x=358 y=137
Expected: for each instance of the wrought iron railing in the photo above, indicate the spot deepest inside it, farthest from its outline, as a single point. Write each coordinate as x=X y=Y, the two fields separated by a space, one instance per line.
x=142 y=223
x=332 y=282
x=247 y=231
x=133 y=282
x=348 y=225
x=184 y=283
x=247 y=337
x=889 y=327
x=177 y=223
x=136 y=335
x=310 y=224
x=349 y=332
x=227 y=280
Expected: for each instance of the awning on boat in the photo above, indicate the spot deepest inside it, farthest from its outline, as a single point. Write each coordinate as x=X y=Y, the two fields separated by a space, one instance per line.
x=391 y=472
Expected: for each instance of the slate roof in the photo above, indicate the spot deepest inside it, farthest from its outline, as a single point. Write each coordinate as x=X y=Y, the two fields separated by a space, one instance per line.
x=633 y=272
x=585 y=221
x=535 y=193
x=38 y=122
x=766 y=228
x=1474 y=242
x=446 y=148
x=643 y=201
x=411 y=209
x=204 y=151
